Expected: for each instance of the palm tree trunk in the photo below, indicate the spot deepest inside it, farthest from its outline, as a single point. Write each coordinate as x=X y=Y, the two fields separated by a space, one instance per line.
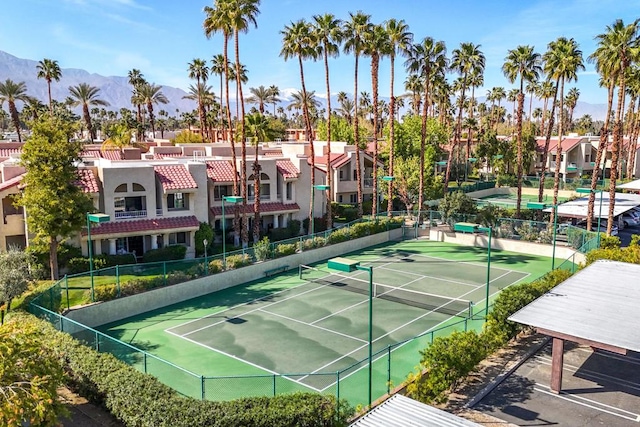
x=87 y=120
x=630 y=132
x=615 y=150
x=547 y=143
x=15 y=118
x=375 y=61
x=544 y=116
x=356 y=138
x=458 y=134
x=243 y=179
x=308 y=130
x=221 y=115
x=423 y=140
x=256 y=191
x=392 y=119
x=50 y=101
x=519 y=115
x=329 y=170
x=152 y=119
x=556 y=181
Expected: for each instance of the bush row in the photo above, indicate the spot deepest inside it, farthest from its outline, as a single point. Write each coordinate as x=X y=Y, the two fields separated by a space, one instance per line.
x=140 y=400
x=449 y=359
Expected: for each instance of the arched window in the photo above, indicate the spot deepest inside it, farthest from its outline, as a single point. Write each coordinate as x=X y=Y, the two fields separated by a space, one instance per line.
x=122 y=188
x=138 y=187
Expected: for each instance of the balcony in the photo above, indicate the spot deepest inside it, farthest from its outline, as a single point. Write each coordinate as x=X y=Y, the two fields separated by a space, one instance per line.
x=131 y=214
x=367 y=182
x=159 y=212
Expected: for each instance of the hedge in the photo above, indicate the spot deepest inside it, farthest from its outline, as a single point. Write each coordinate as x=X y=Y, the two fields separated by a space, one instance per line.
x=140 y=400
x=168 y=253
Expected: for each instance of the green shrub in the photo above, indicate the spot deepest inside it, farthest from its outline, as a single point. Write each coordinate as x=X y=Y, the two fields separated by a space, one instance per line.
x=294 y=227
x=350 y=214
x=81 y=265
x=276 y=234
x=215 y=266
x=316 y=242
x=340 y=235
x=262 y=249
x=113 y=260
x=105 y=292
x=237 y=261
x=168 y=253
x=285 y=249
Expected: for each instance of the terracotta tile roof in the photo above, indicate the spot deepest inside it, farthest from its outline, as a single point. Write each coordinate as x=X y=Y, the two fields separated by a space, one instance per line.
x=175 y=177
x=87 y=182
x=111 y=154
x=275 y=153
x=322 y=160
x=264 y=208
x=144 y=225
x=7 y=152
x=13 y=182
x=567 y=144
x=220 y=170
x=160 y=156
x=287 y=169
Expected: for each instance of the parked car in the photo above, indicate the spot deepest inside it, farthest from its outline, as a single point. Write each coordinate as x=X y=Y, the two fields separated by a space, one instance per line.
x=594 y=226
x=630 y=217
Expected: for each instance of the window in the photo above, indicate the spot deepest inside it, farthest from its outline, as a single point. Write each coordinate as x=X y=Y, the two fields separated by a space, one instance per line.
x=138 y=187
x=553 y=158
x=219 y=191
x=122 y=188
x=587 y=158
x=341 y=175
x=340 y=198
x=289 y=190
x=181 y=238
x=355 y=175
x=353 y=198
x=177 y=201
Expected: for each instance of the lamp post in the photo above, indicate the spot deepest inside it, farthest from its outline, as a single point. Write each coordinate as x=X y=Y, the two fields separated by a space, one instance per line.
x=540 y=206
x=348 y=265
x=321 y=187
x=589 y=191
x=487 y=230
x=230 y=199
x=205 y=242
x=386 y=178
x=97 y=218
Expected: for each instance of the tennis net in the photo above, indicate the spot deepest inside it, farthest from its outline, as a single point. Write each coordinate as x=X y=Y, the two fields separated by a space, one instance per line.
x=423 y=300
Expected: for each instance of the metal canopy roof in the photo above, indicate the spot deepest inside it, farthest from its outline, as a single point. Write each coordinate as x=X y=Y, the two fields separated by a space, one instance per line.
x=598 y=304
x=401 y=411
x=633 y=185
x=578 y=208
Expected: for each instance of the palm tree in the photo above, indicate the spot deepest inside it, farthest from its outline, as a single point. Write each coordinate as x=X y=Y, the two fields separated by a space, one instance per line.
x=617 y=48
x=476 y=79
x=150 y=94
x=399 y=40
x=571 y=100
x=354 y=30
x=546 y=91
x=414 y=85
x=297 y=41
x=217 y=67
x=10 y=92
x=468 y=58
x=274 y=93
x=136 y=79
x=633 y=89
x=523 y=63
x=260 y=95
x=346 y=109
x=532 y=89
x=85 y=95
x=328 y=36
x=32 y=108
x=199 y=71
x=562 y=61
x=49 y=70
x=426 y=59
x=257 y=127
x=497 y=95
x=376 y=45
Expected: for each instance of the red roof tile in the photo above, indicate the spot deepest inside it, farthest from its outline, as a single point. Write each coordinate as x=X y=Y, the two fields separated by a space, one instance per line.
x=275 y=153
x=220 y=170
x=87 y=182
x=287 y=169
x=175 y=177
x=7 y=152
x=567 y=143
x=13 y=182
x=264 y=208
x=143 y=225
x=111 y=154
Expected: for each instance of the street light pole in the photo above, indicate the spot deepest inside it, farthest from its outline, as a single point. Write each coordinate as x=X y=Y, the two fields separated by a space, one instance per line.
x=205 y=242
x=489 y=231
x=231 y=199
x=386 y=178
x=97 y=218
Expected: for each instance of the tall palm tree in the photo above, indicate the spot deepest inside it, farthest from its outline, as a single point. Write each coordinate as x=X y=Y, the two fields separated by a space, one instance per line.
x=199 y=71
x=562 y=61
x=376 y=45
x=571 y=100
x=468 y=58
x=426 y=60
x=546 y=90
x=136 y=80
x=354 y=30
x=274 y=93
x=633 y=89
x=10 y=92
x=217 y=67
x=524 y=64
x=49 y=70
x=476 y=79
x=328 y=36
x=150 y=94
x=298 y=42
x=414 y=85
x=497 y=94
x=257 y=126
x=532 y=89
x=617 y=48
x=400 y=39
x=260 y=95
x=85 y=96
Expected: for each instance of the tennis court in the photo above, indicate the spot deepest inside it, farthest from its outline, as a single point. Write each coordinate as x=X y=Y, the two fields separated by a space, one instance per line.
x=308 y=324
x=509 y=200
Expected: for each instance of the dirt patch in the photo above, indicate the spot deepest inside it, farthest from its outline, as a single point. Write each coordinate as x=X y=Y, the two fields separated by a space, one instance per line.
x=83 y=413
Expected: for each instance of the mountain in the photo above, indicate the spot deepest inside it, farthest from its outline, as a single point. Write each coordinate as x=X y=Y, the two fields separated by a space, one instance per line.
x=113 y=89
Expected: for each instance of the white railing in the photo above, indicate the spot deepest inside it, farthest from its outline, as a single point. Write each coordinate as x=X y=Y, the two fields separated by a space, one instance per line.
x=131 y=214
x=159 y=212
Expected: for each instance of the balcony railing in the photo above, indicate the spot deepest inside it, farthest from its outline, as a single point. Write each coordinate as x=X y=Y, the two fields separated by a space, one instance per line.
x=131 y=214
x=367 y=182
x=159 y=212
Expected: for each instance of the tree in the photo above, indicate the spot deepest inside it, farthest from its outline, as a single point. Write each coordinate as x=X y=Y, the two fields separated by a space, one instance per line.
x=354 y=30
x=399 y=41
x=150 y=94
x=136 y=80
x=328 y=36
x=298 y=41
x=15 y=275
x=455 y=206
x=523 y=63
x=29 y=379
x=49 y=70
x=562 y=60
x=85 y=95
x=258 y=127
x=260 y=95
x=56 y=205
x=199 y=71
x=571 y=100
x=10 y=92
x=217 y=67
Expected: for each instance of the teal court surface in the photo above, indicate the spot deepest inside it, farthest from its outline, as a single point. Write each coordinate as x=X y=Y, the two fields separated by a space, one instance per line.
x=308 y=329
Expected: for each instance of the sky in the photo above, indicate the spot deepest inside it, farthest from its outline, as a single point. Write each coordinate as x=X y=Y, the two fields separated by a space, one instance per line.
x=160 y=37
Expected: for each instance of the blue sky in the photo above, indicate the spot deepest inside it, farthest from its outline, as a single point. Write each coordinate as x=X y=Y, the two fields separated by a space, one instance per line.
x=159 y=37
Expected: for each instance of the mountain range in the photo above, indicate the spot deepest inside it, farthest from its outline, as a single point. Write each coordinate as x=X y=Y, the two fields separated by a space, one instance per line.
x=117 y=91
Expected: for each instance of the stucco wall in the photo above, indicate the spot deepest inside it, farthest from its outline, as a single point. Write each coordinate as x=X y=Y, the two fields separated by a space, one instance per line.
x=110 y=311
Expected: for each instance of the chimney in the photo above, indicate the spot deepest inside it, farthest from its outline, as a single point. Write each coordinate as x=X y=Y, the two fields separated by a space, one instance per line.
x=131 y=153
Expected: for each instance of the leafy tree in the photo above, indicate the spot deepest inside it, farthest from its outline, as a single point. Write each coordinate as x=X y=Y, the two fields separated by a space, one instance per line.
x=407 y=179
x=204 y=232
x=15 y=275
x=56 y=205
x=29 y=379
x=455 y=205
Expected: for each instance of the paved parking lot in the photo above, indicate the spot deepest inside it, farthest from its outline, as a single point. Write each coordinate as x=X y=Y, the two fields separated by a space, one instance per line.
x=598 y=389
x=625 y=235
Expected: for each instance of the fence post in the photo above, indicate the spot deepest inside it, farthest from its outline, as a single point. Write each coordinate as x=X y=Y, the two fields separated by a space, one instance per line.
x=337 y=393
x=274 y=385
x=388 y=369
x=118 y=279
x=164 y=272
x=97 y=342
x=202 y=387
x=144 y=358
x=300 y=243
x=66 y=285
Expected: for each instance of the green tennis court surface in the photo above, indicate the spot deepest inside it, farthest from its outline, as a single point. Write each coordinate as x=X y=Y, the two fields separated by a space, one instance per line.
x=307 y=329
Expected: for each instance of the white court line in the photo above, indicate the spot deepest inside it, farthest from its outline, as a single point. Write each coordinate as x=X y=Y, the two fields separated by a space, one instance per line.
x=609 y=355
x=582 y=401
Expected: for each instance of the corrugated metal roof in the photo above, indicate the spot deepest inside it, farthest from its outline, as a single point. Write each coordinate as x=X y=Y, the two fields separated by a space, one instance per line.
x=578 y=208
x=599 y=303
x=401 y=411
x=633 y=185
